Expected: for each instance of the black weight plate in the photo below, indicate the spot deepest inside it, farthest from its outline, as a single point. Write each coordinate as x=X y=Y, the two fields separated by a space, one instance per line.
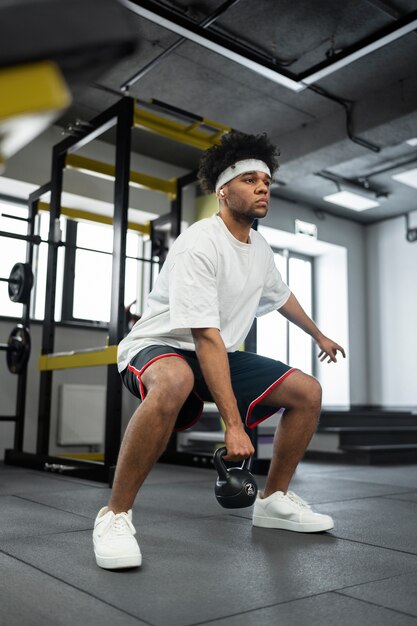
x=20 y=282
x=18 y=349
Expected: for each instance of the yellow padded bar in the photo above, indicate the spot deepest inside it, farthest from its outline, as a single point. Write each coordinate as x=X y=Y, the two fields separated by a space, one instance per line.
x=33 y=88
x=183 y=133
x=82 y=358
x=31 y=97
x=105 y=170
x=79 y=214
x=84 y=456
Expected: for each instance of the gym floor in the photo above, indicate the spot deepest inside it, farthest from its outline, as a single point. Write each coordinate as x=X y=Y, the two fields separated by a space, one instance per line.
x=206 y=565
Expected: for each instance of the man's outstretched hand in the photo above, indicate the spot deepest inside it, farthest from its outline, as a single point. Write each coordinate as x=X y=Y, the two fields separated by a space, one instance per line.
x=329 y=350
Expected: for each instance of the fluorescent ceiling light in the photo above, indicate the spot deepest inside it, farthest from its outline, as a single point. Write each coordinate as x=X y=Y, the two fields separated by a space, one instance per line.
x=351 y=200
x=407 y=178
x=412 y=142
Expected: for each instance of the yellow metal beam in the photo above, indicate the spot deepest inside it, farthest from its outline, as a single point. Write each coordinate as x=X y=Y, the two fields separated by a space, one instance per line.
x=83 y=456
x=83 y=358
x=79 y=214
x=32 y=89
x=105 y=170
x=190 y=134
x=32 y=96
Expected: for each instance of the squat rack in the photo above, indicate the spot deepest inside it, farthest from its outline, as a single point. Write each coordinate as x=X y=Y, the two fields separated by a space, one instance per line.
x=121 y=116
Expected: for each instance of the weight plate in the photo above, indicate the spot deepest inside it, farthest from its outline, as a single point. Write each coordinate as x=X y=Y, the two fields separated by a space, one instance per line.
x=20 y=282
x=18 y=349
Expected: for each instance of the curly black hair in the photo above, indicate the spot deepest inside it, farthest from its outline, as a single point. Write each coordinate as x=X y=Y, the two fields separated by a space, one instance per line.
x=235 y=146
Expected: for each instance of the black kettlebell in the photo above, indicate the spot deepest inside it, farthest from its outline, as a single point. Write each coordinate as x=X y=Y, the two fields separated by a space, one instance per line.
x=235 y=487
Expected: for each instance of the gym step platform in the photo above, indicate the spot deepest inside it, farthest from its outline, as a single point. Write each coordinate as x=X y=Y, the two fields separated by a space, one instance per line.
x=366 y=435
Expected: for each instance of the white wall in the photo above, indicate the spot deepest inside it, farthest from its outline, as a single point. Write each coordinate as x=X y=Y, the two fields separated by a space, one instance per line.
x=332 y=315
x=392 y=314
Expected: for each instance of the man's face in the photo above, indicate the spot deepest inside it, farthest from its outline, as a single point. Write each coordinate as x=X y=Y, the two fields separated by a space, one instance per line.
x=247 y=196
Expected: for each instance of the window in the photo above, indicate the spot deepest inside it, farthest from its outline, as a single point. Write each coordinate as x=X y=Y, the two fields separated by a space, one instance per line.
x=84 y=268
x=276 y=337
x=40 y=263
x=300 y=283
x=11 y=251
x=272 y=329
x=91 y=277
x=93 y=271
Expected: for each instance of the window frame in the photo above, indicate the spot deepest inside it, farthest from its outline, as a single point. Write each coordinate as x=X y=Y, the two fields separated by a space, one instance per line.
x=68 y=282
x=288 y=254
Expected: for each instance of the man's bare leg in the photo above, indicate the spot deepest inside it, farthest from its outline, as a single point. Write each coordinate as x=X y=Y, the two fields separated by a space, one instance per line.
x=168 y=383
x=301 y=395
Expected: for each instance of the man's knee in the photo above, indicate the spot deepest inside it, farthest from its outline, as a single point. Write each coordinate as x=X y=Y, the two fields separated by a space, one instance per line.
x=170 y=382
x=177 y=387
x=308 y=393
x=315 y=393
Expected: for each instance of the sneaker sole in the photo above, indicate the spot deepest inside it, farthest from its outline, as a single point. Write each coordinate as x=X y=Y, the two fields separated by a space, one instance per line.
x=273 y=522
x=120 y=562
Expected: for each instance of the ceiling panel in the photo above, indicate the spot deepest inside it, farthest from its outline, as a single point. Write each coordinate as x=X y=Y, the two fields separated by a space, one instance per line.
x=379 y=90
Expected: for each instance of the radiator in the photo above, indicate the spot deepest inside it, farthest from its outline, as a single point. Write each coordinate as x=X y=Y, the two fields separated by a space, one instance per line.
x=81 y=415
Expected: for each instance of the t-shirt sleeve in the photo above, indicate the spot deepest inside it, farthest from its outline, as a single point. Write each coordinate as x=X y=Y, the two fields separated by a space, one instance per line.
x=275 y=292
x=193 y=297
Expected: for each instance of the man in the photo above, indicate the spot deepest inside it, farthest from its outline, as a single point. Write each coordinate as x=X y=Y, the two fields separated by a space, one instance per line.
x=218 y=275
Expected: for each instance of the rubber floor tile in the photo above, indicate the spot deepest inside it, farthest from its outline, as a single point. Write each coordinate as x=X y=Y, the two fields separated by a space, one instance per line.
x=21 y=519
x=154 y=504
x=397 y=593
x=408 y=496
x=396 y=475
x=16 y=480
x=30 y=598
x=322 y=610
x=198 y=570
x=163 y=473
x=382 y=522
x=336 y=488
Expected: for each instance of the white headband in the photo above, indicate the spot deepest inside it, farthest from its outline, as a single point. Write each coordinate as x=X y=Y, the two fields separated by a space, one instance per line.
x=241 y=167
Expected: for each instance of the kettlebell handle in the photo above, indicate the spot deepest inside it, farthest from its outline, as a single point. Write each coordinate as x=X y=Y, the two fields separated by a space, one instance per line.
x=221 y=467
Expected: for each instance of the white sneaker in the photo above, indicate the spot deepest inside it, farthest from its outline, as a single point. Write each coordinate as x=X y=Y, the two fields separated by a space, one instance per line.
x=289 y=512
x=115 y=546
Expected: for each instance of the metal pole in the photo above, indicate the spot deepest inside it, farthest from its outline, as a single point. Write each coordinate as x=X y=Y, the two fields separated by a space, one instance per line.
x=22 y=380
x=48 y=334
x=117 y=315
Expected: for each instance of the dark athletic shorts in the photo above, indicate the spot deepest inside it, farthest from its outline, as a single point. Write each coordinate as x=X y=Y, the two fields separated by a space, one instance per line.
x=253 y=378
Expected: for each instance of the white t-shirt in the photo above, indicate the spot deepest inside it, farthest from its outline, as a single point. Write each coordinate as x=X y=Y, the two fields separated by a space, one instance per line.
x=209 y=280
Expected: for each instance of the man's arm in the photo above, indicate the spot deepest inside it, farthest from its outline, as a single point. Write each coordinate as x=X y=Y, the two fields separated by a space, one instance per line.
x=212 y=356
x=293 y=311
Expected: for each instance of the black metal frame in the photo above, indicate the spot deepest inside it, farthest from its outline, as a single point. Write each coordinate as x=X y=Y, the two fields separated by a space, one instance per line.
x=121 y=116
x=19 y=417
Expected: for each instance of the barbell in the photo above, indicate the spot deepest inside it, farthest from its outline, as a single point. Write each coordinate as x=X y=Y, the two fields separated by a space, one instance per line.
x=20 y=282
x=17 y=349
